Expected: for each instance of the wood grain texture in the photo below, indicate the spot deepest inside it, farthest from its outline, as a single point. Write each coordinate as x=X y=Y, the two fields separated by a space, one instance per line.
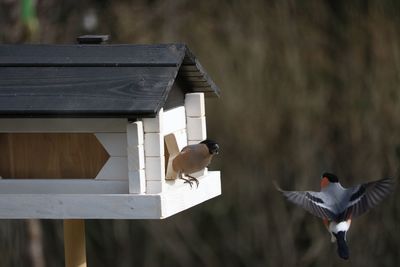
x=64 y=125
x=74 y=243
x=93 y=55
x=97 y=80
x=50 y=155
x=83 y=91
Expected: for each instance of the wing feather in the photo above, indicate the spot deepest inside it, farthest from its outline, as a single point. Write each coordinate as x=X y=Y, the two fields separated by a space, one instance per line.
x=368 y=195
x=310 y=201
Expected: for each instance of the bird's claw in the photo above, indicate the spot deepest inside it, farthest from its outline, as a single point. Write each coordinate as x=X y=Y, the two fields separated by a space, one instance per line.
x=190 y=181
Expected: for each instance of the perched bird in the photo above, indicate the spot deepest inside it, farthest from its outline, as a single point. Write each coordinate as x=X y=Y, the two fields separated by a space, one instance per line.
x=337 y=205
x=194 y=158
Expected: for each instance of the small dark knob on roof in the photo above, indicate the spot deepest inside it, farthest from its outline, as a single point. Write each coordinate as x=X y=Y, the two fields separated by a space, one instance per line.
x=93 y=39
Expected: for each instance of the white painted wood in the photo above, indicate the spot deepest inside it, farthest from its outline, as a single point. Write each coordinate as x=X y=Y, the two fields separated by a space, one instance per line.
x=62 y=186
x=155 y=168
x=176 y=198
x=194 y=104
x=116 y=168
x=153 y=145
x=174 y=120
x=194 y=142
x=137 y=182
x=196 y=128
x=114 y=143
x=200 y=173
x=181 y=138
x=136 y=158
x=184 y=197
x=63 y=125
x=80 y=206
x=135 y=133
x=155 y=187
x=154 y=125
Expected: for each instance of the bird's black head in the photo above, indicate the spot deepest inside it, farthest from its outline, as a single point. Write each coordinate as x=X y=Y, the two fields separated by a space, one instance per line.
x=213 y=147
x=331 y=177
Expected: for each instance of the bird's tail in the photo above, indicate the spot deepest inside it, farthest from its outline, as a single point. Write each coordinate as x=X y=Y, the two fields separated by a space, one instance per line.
x=343 y=249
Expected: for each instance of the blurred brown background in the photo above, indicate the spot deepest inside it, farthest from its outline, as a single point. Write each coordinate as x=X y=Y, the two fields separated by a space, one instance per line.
x=307 y=87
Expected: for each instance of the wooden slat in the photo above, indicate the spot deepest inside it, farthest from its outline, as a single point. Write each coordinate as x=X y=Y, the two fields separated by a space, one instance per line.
x=92 y=55
x=186 y=68
x=130 y=81
x=195 y=79
x=50 y=155
x=82 y=92
x=80 y=206
x=198 y=84
x=63 y=125
x=62 y=186
x=176 y=198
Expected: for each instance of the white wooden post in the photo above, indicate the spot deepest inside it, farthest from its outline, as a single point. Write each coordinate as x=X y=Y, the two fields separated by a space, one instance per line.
x=196 y=122
x=136 y=158
x=154 y=153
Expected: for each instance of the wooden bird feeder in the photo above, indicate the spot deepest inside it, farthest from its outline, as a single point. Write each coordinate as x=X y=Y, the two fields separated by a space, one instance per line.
x=88 y=131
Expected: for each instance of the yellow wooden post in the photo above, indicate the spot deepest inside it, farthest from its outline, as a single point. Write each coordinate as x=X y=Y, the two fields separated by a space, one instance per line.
x=74 y=243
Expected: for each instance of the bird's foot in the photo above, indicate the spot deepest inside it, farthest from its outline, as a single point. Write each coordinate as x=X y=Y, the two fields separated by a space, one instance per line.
x=187 y=181
x=191 y=179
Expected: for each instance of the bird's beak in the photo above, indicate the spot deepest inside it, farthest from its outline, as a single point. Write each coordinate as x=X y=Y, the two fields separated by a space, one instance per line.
x=216 y=150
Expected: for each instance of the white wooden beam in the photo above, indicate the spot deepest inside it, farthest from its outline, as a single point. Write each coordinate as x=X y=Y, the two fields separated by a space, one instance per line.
x=194 y=104
x=154 y=125
x=135 y=133
x=62 y=186
x=136 y=158
x=155 y=168
x=137 y=181
x=156 y=187
x=63 y=125
x=174 y=120
x=184 y=197
x=177 y=198
x=153 y=145
x=80 y=206
x=196 y=128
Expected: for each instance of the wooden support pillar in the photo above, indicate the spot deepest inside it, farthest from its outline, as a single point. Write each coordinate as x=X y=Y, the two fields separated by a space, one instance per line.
x=74 y=243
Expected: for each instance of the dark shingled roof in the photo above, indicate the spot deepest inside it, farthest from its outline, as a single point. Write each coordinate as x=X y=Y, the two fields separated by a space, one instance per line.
x=95 y=80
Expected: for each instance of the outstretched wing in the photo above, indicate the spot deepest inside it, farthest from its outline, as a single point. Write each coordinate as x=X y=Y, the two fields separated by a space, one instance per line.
x=367 y=196
x=310 y=201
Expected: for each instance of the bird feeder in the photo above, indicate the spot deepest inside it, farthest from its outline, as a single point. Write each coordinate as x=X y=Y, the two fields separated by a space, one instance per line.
x=89 y=131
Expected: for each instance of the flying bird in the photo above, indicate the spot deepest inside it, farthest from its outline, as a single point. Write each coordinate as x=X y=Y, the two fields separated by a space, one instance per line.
x=194 y=158
x=337 y=205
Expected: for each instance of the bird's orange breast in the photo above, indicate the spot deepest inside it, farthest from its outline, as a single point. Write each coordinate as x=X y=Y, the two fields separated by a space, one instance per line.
x=324 y=182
